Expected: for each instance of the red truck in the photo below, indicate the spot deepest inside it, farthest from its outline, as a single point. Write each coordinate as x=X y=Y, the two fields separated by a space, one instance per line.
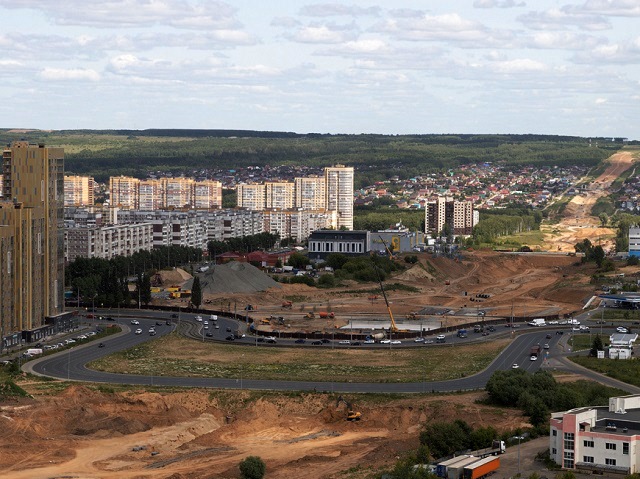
x=535 y=350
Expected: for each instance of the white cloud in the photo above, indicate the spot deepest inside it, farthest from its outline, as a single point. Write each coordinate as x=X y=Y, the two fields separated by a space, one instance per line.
x=519 y=65
x=498 y=4
x=75 y=74
x=600 y=101
x=336 y=9
x=556 y=19
x=325 y=34
x=623 y=8
x=563 y=41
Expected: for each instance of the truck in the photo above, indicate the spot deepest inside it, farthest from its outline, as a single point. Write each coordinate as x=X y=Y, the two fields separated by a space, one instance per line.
x=537 y=322
x=443 y=467
x=481 y=468
x=203 y=269
x=325 y=315
x=462 y=333
x=497 y=447
x=535 y=350
x=34 y=351
x=456 y=470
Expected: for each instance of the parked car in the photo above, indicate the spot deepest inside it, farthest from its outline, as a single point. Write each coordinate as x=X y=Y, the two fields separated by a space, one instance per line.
x=369 y=341
x=546 y=346
x=514 y=366
x=158 y=323
x=344 y=341
x=209 y=334
x=355 y=343
x=533 y=358
x=548 y=336
x=385 y=341
x=135 y=321
x=396 y=341
x=300 y=341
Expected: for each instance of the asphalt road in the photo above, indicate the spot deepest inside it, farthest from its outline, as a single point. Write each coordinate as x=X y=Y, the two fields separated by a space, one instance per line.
x=71 y=364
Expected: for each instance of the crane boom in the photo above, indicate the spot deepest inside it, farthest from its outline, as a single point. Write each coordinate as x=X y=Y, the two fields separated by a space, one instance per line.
x=393 y=328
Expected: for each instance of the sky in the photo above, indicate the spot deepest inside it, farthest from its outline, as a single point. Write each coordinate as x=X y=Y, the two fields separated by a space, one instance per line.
x=556 y=67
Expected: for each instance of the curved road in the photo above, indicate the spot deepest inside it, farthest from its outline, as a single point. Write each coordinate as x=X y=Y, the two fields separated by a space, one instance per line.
x=71 y=365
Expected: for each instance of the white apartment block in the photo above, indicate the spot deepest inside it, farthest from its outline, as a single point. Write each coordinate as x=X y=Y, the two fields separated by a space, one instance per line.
x=339 y=188
x=600 y=438
x=207 y=195
x=279 y=195
x=123 y=192
x=310 y=193
x=78 y=191
x=107 y=242
x=177 y=192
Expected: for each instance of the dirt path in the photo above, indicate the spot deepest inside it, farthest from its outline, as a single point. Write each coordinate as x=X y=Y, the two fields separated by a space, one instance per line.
x=577 y=223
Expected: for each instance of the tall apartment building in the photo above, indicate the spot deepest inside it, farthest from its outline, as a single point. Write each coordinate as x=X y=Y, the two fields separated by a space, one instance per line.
x=78 y=191
x=310 y=193
x=107 y=242
x=339 y=190
x=279 y=195
x=124 y=192
x=149 y=195
x=251 y=197
x=129 y=193
x=444 y=210
x=31 y=237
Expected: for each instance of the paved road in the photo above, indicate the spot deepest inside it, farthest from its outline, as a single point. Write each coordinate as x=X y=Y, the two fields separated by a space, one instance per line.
x=71 y=364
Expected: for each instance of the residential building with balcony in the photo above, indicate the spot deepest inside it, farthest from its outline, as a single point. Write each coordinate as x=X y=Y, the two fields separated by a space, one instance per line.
x=78 y=191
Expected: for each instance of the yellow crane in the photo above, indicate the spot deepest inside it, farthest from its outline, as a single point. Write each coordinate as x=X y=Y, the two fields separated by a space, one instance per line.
x=392 y=328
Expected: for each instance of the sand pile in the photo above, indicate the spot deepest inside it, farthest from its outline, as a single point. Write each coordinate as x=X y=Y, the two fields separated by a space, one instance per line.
x=234 y=277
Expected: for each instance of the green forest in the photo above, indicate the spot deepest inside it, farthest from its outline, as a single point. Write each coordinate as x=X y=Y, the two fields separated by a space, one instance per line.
x=102 y=154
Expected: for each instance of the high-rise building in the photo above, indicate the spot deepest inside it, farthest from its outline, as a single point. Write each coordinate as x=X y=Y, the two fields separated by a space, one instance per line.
x=177 y=192
x=339 y=188
x=207 y=195
x=31 y=237
x=150 y=195
x=251 y=197
x=124 y=192
x=279 y=195
x=458 y=215
x=310 y=193
x=78 y=191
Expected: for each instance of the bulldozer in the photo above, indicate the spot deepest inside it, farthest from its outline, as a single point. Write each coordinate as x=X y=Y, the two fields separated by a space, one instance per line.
x=352 y=415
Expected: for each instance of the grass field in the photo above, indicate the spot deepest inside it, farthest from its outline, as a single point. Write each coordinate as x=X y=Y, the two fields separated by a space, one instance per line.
x=176 y=356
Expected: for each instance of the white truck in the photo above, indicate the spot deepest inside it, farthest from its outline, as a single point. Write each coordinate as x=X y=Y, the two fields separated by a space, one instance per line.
x=203 y=269
x=537 y=322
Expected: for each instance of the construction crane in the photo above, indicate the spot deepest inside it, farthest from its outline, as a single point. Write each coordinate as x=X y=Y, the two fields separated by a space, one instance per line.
x=393 y=327
x=389 y=252
x=351 y=414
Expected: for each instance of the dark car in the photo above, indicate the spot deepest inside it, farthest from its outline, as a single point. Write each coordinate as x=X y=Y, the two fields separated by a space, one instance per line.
x=491 y=329
x=174 y=315
x=228 y=330
x=325 y=341
x=168 y=323
x=209 y=334
x=101 y=345
x=300 y=341
x=356 y=343
x=317 y=343
x=38 y=345
x=548 y=336
x=231 y=337
x=559 y=332
x=260 y=339
x=158 y=323
x=109 y=318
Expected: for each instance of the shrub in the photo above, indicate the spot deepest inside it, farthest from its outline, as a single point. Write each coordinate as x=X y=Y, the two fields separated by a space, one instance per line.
x=252 y=468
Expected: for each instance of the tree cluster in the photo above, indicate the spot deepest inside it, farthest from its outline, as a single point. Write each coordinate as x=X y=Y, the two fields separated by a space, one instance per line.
x=591 y=253
x=491 y=226
x=244 y=244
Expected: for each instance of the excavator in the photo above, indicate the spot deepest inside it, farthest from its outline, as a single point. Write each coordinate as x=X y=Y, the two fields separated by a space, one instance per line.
x=352 y=415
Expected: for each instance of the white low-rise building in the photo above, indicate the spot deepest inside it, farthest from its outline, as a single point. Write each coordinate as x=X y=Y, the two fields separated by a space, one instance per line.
x=621 y=345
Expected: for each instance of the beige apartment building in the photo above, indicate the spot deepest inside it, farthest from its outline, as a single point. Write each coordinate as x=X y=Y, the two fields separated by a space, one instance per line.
x=31 y=237
x=310 y=193
x=129 y=193
x=251 y=197
x=443 y=210
x=78 y=191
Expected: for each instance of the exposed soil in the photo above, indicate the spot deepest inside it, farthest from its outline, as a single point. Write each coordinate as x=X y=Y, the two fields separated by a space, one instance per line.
x=87 y=433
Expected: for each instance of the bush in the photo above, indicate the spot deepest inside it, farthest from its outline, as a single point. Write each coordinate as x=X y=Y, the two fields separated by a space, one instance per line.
x=253 y=468
x=327 y=281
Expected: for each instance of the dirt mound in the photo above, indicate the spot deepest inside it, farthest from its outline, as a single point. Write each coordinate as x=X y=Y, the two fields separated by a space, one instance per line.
x=234 y=277
x=176 y=276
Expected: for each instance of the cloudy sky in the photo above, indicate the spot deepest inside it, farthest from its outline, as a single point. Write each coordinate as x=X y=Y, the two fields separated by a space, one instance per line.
x=396 y=66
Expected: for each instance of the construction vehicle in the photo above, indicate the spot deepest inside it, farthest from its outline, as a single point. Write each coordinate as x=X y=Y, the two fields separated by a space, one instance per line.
x=287 y=304
x=265 y=321
x=393 y=328
x=325 y=315
x=412 y=315
x=309 y=315
x=352 y=415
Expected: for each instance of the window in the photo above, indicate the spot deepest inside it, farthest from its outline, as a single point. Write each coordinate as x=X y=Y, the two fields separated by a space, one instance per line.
x=625 y=448
x=554 y=432
x=610 y=462
x=611 y=446
x=568 y=441
x=588 y=443
x=588 y=459
x=554 y=451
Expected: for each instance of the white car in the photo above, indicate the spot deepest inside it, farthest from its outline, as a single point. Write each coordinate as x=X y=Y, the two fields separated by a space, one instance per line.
x=198 y=318
x=533 y=358
x=622 y=330
x=135 y=321
x=206 y=326
x=369 y=341
x=138 y=331
x=385 y=341
x=418 y=340
x=213 y=317
x=344 y=341
x=217 y=327
x=440 y=337
x=396 y=341
x=553 y=321
x=82 y=336
x=514 y=366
